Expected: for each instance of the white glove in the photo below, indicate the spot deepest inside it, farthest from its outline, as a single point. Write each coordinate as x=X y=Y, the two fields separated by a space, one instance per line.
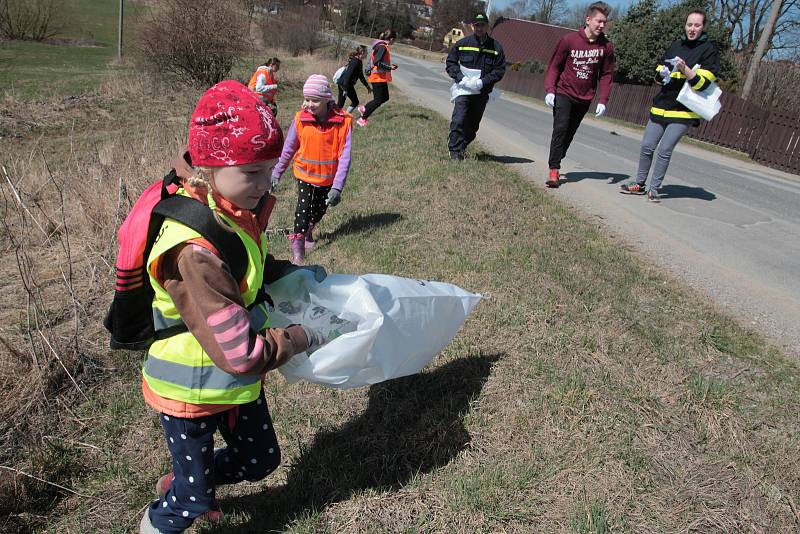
x=273 y=184
x=464 y=83
x=664 y=71
x=477 y=85
x=550 y=99
x=601 y=108
x=271 y=87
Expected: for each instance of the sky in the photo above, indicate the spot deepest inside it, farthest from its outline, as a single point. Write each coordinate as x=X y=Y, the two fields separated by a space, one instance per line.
x=501 y=4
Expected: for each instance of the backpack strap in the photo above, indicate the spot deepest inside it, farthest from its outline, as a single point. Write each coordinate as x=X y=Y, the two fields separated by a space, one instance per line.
x=200 y=218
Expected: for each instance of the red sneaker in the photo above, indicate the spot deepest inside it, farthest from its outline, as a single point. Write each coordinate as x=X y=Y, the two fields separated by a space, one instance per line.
x=553 y=179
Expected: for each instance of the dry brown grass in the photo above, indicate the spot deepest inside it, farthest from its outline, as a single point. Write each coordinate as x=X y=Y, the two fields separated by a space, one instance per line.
x=588 y=393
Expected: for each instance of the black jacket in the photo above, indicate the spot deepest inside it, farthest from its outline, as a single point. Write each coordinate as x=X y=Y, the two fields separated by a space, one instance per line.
x=487 y=56
x=352 y=73
x=701 y=51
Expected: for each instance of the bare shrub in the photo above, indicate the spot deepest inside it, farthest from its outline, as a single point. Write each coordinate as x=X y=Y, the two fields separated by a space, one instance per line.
x=296 y=29
x=62 y=197
x=30 y=20
x=194 y=41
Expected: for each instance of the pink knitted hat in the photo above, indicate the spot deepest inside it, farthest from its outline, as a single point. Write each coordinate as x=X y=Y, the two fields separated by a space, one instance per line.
x=317 y=85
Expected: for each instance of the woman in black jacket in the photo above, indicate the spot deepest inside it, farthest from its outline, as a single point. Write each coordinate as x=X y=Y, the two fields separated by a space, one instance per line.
x=353 y=72
x=669 y=119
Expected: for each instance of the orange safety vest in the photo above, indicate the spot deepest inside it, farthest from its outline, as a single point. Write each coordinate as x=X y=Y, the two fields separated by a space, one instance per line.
x=380 y=75
x=321 y=145
x=269 y=96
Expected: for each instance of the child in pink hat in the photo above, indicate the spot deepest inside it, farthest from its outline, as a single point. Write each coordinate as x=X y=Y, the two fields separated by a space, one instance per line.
x=319 y=140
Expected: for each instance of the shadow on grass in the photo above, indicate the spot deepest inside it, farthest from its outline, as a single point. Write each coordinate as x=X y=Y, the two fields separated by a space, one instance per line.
x=609 y=177
x=362 y=223
x=411 y=426
x=685 y=191
x=483 y=156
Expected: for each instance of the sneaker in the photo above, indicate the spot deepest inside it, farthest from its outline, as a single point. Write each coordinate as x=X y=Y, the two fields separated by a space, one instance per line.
x=553 y=179
x=361 y=109
x=652 y=196
x=632 y=188
x=362 y=121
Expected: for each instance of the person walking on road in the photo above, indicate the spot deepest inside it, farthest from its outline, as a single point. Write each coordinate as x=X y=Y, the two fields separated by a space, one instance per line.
x=582 y=61
x=478 y=51
x=264 y=83
x=669 y=119
x=346 y=81
x=380 y=74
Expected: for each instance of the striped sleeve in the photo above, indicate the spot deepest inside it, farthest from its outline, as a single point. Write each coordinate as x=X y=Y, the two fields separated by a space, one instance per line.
x=706 y=73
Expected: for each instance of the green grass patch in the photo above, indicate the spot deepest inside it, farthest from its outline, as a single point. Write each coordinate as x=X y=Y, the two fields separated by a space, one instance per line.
x=78 y=60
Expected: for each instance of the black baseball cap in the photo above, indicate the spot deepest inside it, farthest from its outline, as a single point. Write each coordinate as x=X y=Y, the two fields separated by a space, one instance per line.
x=480 y=18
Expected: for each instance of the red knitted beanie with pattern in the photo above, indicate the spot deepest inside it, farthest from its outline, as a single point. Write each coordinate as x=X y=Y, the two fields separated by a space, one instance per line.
x=232 y=126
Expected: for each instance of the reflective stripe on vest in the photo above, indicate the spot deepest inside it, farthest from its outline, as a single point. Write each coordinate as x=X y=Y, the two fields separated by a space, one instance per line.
x=669 y=114
x=177 y=367
x=317 y=158
x=270 y=80
x=476 y=49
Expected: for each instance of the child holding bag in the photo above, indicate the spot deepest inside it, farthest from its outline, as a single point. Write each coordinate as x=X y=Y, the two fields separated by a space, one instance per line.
x=319 y=140
x=205 y=371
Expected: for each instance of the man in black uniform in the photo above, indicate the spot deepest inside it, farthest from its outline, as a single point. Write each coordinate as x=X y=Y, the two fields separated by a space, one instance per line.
x=476 y=51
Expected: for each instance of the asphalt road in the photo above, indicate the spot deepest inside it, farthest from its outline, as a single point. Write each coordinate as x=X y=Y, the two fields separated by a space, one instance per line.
x=727 y=227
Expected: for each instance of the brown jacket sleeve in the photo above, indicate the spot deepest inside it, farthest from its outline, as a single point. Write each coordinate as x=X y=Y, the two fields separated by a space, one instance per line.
x=210 y=303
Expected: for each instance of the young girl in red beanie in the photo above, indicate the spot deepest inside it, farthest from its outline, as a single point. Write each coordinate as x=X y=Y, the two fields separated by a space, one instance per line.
x=319 y=139
x=210 y=377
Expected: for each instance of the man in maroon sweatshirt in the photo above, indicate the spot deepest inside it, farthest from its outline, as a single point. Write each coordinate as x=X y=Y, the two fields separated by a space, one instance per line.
x=582 y=60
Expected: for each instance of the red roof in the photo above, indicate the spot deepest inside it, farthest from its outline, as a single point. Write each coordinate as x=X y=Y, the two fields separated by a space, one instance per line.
x=524 y=40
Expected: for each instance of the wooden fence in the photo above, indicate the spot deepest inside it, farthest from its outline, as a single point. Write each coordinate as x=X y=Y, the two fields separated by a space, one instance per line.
x=768 y=137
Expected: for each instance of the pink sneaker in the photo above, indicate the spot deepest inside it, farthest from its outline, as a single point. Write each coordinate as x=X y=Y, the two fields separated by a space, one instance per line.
x=361 y=108
x=362 y=122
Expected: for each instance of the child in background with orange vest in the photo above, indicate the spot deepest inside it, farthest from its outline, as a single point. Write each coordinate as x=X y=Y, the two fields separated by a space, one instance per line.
x=380 y=75
x=264 y=83
x=319 y=139
x=208 y=376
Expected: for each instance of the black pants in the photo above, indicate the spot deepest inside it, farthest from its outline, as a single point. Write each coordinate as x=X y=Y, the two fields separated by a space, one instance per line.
x=380 y=95
x=567 y=116
x=310 y=205
x=467 y=114
x=349 y=92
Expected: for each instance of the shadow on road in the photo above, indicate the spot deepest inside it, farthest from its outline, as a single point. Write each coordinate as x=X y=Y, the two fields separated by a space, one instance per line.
x=411 y=426
x=685 y=191
x=483 y=156
x=609 y=177
x=362 y=223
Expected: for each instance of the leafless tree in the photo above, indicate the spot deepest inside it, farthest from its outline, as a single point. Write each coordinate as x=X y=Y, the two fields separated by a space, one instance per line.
x=748 y=18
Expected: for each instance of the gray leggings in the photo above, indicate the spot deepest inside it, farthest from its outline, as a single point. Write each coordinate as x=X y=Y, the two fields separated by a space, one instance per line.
x=669 y=135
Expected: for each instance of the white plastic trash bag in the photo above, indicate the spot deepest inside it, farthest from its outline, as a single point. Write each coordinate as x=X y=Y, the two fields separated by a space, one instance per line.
x=471 y=74
x=381 y=326
x=705 y=103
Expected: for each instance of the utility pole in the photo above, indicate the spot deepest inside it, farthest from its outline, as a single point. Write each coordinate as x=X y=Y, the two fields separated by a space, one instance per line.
x=119 y=28
x=763 y=42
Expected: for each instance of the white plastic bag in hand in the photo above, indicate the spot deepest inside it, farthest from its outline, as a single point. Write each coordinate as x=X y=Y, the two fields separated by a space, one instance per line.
x=705 y=103
x=380 y=326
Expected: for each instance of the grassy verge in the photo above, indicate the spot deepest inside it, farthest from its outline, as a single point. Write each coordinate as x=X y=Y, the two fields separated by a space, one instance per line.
x=587 y=393
x=77 y=61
